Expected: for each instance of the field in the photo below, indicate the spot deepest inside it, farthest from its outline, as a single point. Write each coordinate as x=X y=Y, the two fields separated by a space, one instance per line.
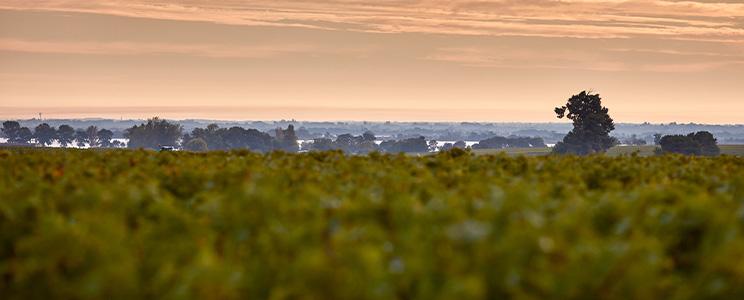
x=615 y=151
x=117 y=224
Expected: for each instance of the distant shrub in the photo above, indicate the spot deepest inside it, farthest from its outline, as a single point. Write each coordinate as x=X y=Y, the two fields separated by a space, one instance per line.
x=633 y=140
x=456 y=145
x=699 y=143
x=197 y=145
x=412 y=145
x=500 y=142
x=346 y=142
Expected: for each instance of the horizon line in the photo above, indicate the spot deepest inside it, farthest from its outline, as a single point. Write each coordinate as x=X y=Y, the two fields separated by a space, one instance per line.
x=354 y=121
x=254 y=113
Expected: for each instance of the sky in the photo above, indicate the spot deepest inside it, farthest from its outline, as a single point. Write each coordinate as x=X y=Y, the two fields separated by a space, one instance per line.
x=425 y=60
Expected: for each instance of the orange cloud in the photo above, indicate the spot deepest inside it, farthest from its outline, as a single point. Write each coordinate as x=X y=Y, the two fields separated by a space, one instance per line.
x=593 y=59
x=696 y=20
x=142 y=48
x=527 y=59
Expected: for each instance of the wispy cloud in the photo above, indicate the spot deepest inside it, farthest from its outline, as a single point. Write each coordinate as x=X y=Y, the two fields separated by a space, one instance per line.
x=695 y=20
x=143 y=48
x=597 y=59
x=522 y=58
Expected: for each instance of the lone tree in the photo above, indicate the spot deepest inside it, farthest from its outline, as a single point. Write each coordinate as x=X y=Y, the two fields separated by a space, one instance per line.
x=592 y=126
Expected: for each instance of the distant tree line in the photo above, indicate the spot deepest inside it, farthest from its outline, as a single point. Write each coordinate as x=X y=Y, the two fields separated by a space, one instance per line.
x=215 y=138
x=500 y=142
x=415 y=145
x=365 y=143
x=455 y=145
x=156 y=133
x=348 y=143
x=65 y=135
x=590 y=134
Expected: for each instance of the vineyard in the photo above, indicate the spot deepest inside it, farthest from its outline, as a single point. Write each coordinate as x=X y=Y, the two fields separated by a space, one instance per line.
x=119 y=224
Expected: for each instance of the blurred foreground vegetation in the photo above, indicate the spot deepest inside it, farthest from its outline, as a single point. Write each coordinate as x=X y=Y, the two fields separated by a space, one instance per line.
x=117 y=224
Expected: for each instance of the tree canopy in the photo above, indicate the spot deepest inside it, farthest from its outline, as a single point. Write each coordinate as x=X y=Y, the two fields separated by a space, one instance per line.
x=45 y=134
x=153 y=134
x=235 y=137
x=13 y=131
x=698 y=143
x=104 y=138
x=91 y=134
x=65 y=135
x=592 y=125
x=411 y=145
x=286 y=139
x=348 y=143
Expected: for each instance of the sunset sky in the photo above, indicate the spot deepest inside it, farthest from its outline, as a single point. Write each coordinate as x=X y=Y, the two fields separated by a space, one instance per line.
x=434 y=60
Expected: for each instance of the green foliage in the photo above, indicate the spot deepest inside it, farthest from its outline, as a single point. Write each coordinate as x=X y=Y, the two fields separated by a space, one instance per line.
x=118 y=224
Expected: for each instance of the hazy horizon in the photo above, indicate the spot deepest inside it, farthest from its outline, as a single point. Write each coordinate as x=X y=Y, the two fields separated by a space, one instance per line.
x=653 y=61
x=309 y=114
